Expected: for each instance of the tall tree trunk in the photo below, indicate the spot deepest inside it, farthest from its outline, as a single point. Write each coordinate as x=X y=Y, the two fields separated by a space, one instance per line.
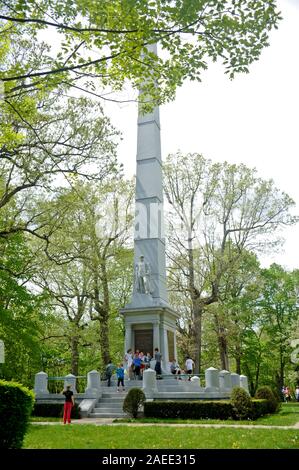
x=102 y=308
x=238 y=358
x=197 y=315
x=222 y=344
x=197 y=310
x=75 y=355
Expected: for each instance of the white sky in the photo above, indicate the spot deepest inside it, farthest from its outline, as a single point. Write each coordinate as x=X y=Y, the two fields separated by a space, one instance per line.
x=252 y=119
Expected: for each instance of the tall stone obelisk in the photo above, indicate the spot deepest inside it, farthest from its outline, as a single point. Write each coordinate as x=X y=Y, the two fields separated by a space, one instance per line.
x=150 y=322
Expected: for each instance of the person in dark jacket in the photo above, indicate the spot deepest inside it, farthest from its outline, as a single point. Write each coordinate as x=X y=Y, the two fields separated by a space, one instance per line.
x=68 y=404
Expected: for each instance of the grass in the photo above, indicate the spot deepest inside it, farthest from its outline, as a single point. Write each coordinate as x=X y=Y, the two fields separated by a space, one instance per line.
x=40 y=419
x=287 y=416
x=151 y=437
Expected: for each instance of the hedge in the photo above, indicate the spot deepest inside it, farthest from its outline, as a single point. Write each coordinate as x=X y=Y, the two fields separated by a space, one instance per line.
x=49 y=410
x=189 y=409
x=16 y=402
x=203 y=409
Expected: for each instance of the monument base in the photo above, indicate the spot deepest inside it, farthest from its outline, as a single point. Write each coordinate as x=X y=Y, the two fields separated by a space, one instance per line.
x=151 y=325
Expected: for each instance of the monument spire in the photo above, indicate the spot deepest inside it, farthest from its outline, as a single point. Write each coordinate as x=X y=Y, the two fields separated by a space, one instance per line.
x=149 y=319
x=149 y=240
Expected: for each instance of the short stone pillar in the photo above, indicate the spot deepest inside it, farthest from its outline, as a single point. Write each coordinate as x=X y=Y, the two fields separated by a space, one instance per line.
x=70 y=379
x=225 y=381
x=212 y=380
x=93 y=388
x=149 y=383
x=195 y=380
x=235 y=378
x=41 y=383
x=244 y=382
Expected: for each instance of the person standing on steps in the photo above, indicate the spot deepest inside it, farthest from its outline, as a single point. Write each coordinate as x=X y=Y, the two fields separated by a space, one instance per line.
x=109 y=371
x=68 y=404
x=158 y=359
x=189 y=366
x=120 y=373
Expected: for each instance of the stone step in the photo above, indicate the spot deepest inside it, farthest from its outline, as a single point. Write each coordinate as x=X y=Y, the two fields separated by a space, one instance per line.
x=113 y=401
x=108 y=410
x=107 y=415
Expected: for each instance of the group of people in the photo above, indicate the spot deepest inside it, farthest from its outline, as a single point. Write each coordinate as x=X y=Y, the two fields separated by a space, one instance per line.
x=136 y=363
x=189 y=367
x=287 y=394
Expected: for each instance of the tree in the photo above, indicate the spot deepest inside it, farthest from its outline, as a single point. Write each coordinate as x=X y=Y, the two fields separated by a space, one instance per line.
x=279 y=314
x=109 y=41
x=20 y=312
x=217 y=211
x=82 y=269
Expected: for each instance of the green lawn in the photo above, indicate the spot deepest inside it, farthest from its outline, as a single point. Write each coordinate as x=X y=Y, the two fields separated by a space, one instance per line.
x=151 y=437
x=168 y=437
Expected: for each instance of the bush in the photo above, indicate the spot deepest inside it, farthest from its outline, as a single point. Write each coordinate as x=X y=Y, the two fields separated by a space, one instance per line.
x=267 y=394
x=202 y=409
x=133 y=401
x=49 y=410
x=242 y=404
x=259 y=408
x=16 y=404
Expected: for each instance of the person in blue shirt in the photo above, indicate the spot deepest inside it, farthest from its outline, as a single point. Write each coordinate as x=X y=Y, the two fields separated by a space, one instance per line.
x=120 y=373
x=137 y=364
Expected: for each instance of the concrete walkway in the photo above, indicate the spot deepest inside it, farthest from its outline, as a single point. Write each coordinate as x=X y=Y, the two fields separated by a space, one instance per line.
x=109 y=422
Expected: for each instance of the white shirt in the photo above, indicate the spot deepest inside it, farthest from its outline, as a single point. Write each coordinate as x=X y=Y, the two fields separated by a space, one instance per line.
x=189 y=364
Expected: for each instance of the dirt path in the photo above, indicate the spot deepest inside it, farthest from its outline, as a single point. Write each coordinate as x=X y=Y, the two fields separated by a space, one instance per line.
x=109 y=422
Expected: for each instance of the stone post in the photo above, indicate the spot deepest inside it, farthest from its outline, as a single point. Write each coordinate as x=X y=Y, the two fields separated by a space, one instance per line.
x=149 y=383
x=235 y=380
x=70 y=379
x=225 y=381
x=195 y=382
x=93 y=388
x=41 y=383
x=244 y=382
x=212 y=380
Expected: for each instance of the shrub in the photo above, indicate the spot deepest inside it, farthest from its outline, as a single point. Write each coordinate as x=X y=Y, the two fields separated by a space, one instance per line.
x=133 y=401
x=55 y=410
x=241 y=403
x=16 y=403
x=267 y=394
x=259 y=408
x=202 y=409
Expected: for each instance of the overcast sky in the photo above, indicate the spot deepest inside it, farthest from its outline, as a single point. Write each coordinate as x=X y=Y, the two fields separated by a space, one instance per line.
x=252 y=119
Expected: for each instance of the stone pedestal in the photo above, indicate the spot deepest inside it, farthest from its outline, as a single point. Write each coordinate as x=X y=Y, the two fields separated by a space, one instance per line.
x=244 y=382
x=212 y=380
x=235 y=378
x=149 y=383
x=225 y=381
x=41 y=384
x=195 y=381
x=70 y=379
x=160 y=323
x=93 y=388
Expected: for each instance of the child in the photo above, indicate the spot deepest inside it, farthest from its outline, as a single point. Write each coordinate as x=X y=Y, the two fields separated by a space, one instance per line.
x=120 y=373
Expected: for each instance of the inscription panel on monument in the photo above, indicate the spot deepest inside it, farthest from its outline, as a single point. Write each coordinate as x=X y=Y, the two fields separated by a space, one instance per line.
x=144 y=340
x=170 y=340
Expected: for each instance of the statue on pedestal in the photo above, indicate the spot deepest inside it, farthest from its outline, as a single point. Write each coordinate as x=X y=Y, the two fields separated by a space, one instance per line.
x=142 y=276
